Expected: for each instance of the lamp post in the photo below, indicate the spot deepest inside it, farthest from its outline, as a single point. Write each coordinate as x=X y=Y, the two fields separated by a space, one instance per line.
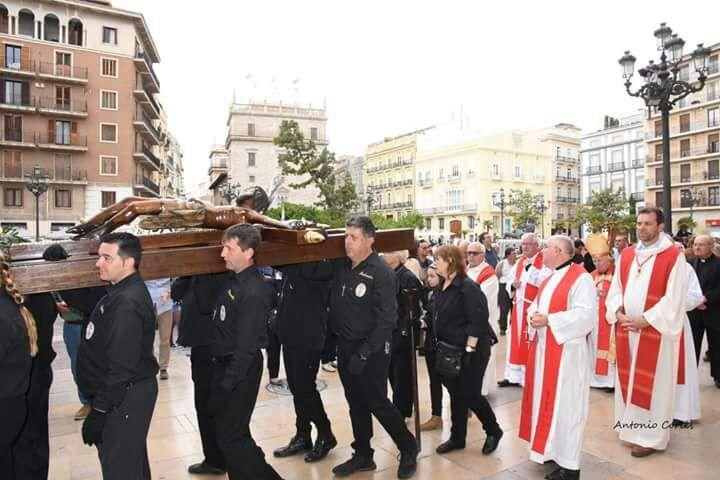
x=693 y=197
x=369 y=202
x=662 y=90
x=542 y=207
x=229 y=191
x=37 y=184
x=500 y=203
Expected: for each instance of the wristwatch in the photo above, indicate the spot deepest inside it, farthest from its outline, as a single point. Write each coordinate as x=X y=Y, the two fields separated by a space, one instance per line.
x=469 y=349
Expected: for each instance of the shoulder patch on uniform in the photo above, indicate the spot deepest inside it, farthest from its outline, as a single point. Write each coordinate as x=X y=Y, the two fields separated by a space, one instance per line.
x=232 y=297
x=363 y=274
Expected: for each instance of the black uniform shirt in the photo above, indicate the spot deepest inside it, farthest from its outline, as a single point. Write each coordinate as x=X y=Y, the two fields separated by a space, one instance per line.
x=117 y=344
x=15 y=359
x=198 y=296
x=240 y=316
x=42 y=306
x=363 y=306
x=406 y=280
x=461 y=311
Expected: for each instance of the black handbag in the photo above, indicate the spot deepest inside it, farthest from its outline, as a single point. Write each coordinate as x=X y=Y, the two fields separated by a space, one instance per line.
x=448 y=359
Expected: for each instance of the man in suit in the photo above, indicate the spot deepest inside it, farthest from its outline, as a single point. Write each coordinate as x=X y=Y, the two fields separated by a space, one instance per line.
x=706 y=317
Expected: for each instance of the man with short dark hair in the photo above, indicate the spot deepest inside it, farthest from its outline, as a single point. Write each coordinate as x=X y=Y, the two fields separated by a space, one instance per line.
x=239 y=332
x=363 y=313
x=116 y=365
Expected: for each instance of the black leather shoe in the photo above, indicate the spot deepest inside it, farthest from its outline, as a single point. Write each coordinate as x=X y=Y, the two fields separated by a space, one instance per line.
x=507 y=383
x=408 y=463
x=717 y=383
x=205 y=469
x=449 y=446
x=296 y=445
x=563 y=474
x=323 y=445
x=358 y=463
x=491 y=443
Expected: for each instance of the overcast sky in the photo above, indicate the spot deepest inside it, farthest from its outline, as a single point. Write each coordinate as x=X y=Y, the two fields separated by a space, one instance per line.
x=387 y=67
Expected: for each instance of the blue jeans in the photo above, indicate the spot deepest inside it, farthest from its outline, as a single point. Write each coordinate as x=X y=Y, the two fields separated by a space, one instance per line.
x=71 y=335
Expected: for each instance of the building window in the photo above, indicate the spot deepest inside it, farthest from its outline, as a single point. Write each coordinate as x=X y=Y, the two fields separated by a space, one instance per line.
x=76 y=32
x=313 y=133
x=13 y=93
x=251 y=178
x=428 y=223
x=471 y=222
x=251 y=129
x=62 y=98
x=251 y=159
x=495 y=170
x=63 y=166
x=26 y=23
x=109 y=67
x=108 y=100
x=63 y=64
x=441 y=223
x=456 y=171
x=108 y=199
x=63 y=131
x=51 y=28
x=108 y=165
x=108 y=133
x=685 y=123
x=110 y=36
x=713 y=117
x=516 y=171
x=13 y=197
x=713 y=196
x=63 y=199
x=12 y=57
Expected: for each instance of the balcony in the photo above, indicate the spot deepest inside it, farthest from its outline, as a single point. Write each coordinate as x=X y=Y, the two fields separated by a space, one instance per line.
x=567 y=179
x=425 y=183
x=52 y=106
x=145 y=185
x=146 y=128
x=562 y=158
x=146 y=100
x=593 y=170
x=24 y=68
x=18 y=104
x=454 y=178
x=468 y=207
x=638 y=196
x=64 y=176
x=564 y=199
x=66 y=143
x=638 y=163
x=144 y=66
x=685 y=129
x=146 y=155
x=17 y=138
x=64 y=73
x=710 y=149
x=706 y=176
x=616 y=167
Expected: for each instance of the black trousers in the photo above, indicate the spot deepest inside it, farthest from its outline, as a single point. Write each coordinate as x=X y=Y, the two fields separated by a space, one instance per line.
x=244 y=459
x=12 y=417
x=401 y=375
x=697 y=325
x=123 y=451
x=465 y=393
x=31 y=452
x=366 y=395
x=505 y=303
x=436 y=393
x=301 y=366
x=329 y=352
x=202 y=366
x=273 y=355
x=714 y=352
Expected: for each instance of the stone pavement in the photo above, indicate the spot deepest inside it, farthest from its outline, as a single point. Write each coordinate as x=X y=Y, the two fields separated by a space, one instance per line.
x=174 y=442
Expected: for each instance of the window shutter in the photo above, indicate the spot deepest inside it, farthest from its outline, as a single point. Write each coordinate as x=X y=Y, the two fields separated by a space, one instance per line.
x=51 y=131
x=25 y=93
x=74 y=134
x=2 y=88
x=25 y=58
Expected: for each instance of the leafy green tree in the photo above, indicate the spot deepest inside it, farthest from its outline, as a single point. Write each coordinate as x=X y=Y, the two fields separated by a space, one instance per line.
x=524 y=208
x=608 y=210
x=8 y=237
x=300 y=157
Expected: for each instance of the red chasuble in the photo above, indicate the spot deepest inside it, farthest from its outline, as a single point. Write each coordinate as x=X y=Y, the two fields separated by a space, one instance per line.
x=484 y=274
x=551 y=367
x=649 y=347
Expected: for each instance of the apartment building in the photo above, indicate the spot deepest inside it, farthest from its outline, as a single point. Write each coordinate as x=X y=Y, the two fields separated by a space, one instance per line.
x=355 y=166
x=614 y=157
x=694 y=151
x=390 y=173
x=250 y=156
x=78 y=100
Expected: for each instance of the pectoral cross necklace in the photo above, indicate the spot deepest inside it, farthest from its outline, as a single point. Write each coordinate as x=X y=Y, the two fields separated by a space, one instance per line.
x=641 y=264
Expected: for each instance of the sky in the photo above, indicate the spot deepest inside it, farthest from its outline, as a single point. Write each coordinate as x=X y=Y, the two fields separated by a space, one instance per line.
x=383 y=68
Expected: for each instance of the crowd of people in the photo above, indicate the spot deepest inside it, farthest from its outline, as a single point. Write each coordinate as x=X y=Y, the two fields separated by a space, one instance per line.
x=600 y=313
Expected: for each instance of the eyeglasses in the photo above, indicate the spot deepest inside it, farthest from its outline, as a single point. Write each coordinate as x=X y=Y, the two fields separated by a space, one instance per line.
x=474 y=253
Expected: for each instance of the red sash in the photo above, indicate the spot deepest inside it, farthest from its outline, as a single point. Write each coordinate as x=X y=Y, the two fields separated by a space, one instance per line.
x=486 y=273
x=649 y=347
x=514 y=322
x=681 y=360
x=551 y=367
x=604 y=328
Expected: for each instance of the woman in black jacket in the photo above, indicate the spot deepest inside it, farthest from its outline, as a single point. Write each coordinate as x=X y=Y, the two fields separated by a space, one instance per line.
x=18 y=344
x=435 y=422
x=461 y=323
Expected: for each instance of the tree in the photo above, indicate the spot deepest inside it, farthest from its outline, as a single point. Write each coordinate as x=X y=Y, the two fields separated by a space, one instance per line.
x=337 y=220
x=687 y=221
x=608 y=210
x=487 y=225
x=524 y=208
x=300 y=157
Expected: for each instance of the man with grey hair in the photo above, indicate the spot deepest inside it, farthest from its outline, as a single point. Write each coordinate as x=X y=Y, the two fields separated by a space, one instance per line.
x=528 y=272
x=557 y=380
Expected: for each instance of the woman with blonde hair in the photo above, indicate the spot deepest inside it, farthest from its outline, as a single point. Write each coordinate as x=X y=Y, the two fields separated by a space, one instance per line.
x=18 y=344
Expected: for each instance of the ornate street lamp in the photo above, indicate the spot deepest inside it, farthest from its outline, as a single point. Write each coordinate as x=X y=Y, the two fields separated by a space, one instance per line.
x=500 y=203
x=37 y=183
x=692 y=197
x=662 y=90
x=369 y=202
x=542 y=207
x=229 y=191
